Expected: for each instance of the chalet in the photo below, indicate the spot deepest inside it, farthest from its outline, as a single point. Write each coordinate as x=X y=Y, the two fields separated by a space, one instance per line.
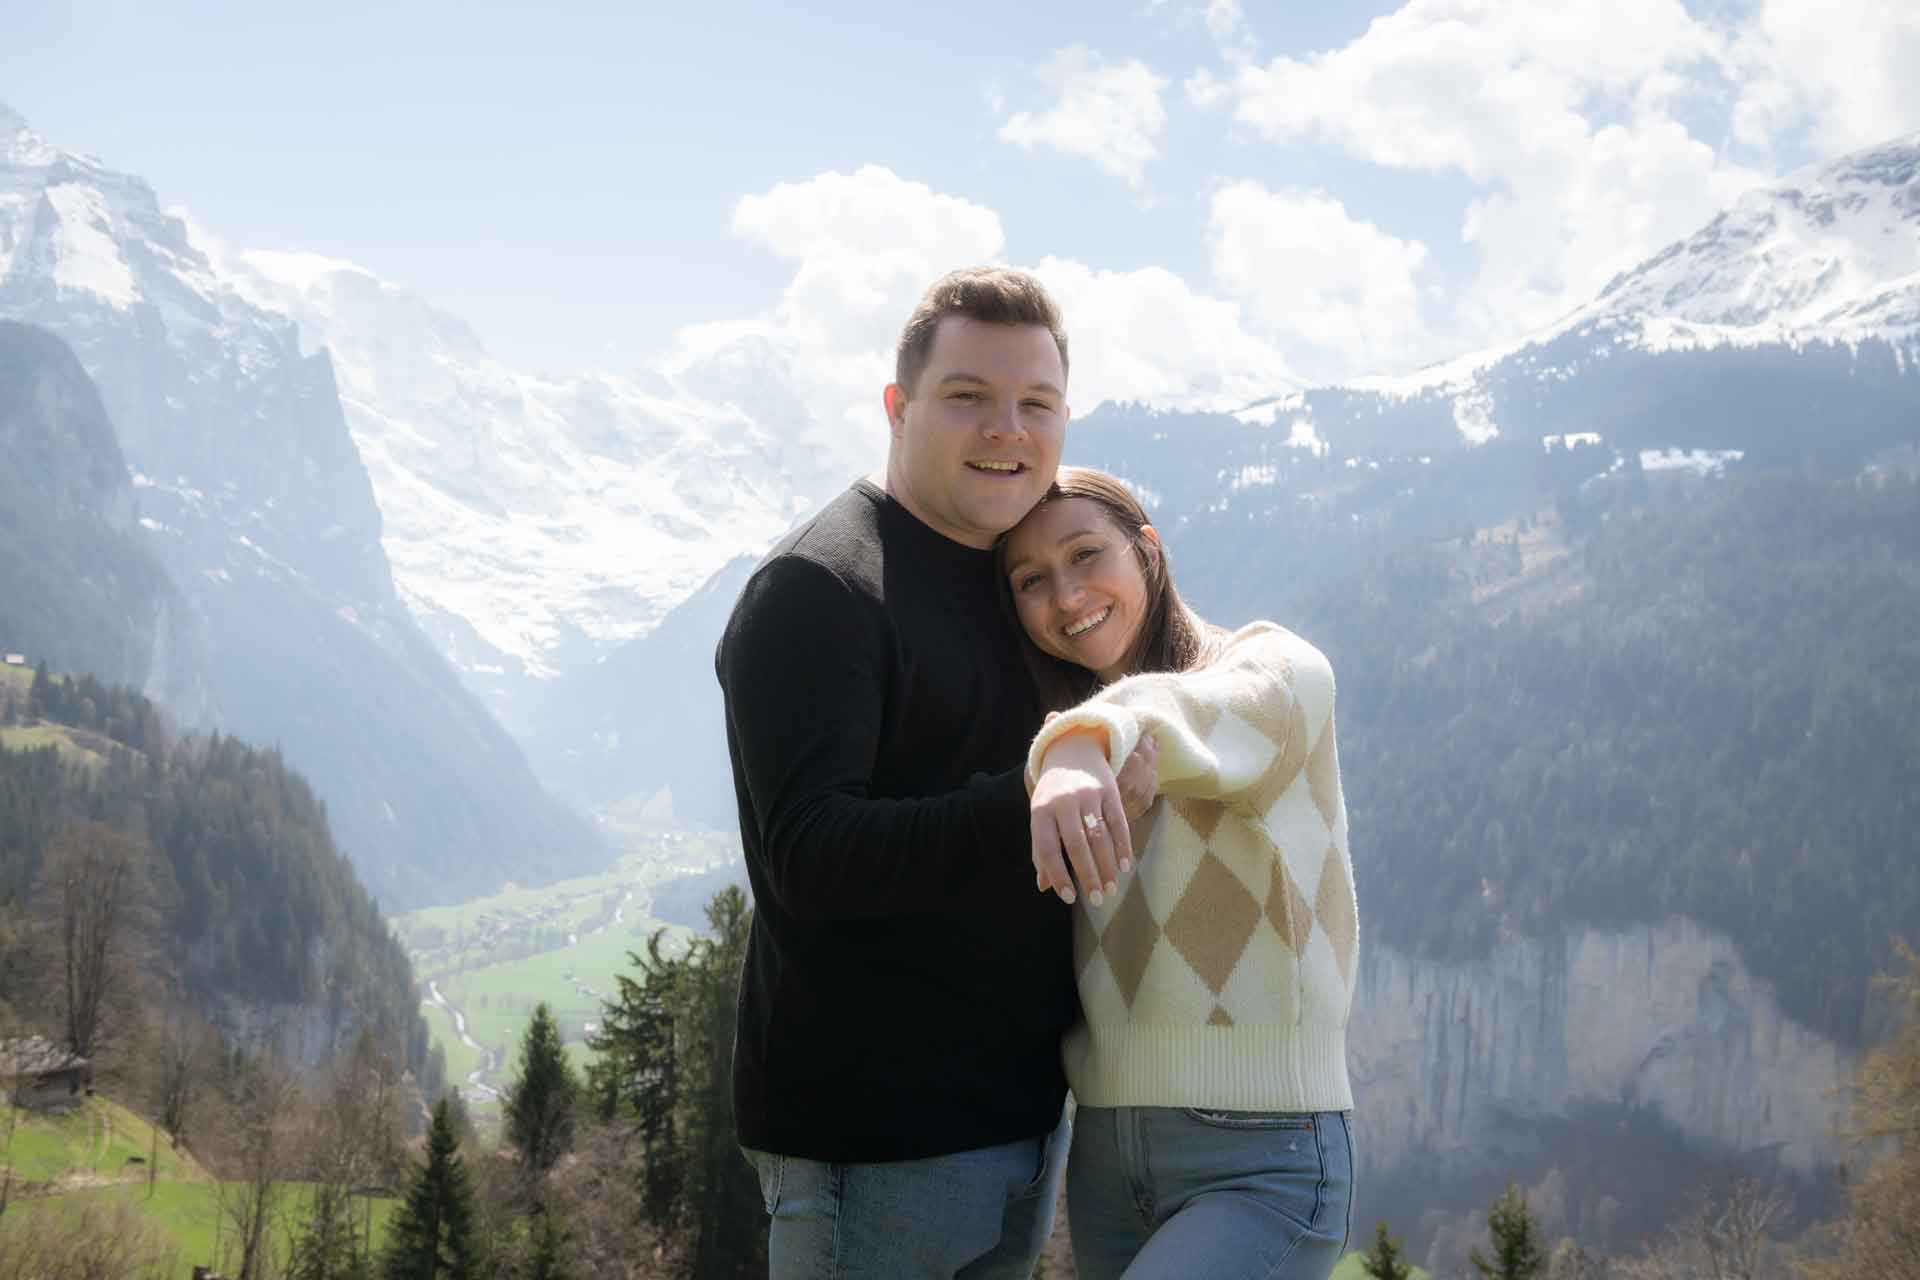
x=16 y=659
x=39 y=1074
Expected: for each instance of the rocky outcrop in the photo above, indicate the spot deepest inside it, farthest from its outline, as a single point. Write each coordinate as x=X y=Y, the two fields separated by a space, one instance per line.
x=1662 y=1018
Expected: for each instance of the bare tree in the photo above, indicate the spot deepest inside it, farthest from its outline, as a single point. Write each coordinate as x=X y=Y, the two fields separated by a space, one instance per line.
x=185 y=1051
x=257 y=1154
x=1728 y=1238
x=98 y=1239
x=1880 y=1233
x=97 y=894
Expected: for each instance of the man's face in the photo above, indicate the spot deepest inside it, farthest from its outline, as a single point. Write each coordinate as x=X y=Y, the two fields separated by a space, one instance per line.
x=977 y=440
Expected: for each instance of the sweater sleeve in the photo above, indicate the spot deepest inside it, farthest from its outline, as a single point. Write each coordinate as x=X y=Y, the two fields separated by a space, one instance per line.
x=804 y=668
x=1237 y=730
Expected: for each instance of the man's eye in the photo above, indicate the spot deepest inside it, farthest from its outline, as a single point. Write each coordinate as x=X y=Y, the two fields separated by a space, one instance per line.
x=964 y=396
x=1037 y=404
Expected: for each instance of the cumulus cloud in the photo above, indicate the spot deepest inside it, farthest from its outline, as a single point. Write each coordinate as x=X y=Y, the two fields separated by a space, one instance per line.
x=1107 y=112
x=865 y=245
x=1564 y=115
x=1843 y=68
x=1319 y=276
x=1147 y=335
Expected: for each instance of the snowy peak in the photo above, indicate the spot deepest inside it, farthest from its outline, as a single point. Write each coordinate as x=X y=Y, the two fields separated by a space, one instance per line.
x=1833 y=250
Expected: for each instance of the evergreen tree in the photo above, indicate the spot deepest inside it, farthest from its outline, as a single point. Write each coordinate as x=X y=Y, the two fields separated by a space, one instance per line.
x=1517 y=1254
x=539 y=1108
x=637 y=1069
x=1383 y=1261
x=723 y=1194
x=548 y=1261
x=432 y=1234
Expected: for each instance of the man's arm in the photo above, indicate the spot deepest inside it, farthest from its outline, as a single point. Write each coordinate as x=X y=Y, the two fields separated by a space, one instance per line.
x=803 y=665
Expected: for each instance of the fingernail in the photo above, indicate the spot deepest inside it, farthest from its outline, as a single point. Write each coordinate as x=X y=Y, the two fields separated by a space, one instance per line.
x=1111 y=886
x=1066 y=896
x=1093 y=896
x=1126 y=865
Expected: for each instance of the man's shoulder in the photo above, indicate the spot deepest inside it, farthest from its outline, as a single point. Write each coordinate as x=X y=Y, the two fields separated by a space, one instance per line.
x=843 y=539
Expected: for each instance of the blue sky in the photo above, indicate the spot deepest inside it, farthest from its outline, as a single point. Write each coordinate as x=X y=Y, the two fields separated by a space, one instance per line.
x=1227 y=196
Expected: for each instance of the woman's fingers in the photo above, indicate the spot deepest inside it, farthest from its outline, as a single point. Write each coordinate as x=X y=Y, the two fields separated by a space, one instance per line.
x=1049 y=864
x=1089 y=849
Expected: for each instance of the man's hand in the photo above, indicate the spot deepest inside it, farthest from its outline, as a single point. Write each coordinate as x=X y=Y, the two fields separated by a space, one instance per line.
x=1139 y=779
x=1080 y=819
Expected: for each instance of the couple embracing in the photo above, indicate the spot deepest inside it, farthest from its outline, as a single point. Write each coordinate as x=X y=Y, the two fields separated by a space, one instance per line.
x=1017 y=820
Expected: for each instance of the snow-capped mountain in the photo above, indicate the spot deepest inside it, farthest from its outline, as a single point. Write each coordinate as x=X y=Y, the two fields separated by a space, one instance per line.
x=536 y=523
x=254 y=498
x=1824 y=260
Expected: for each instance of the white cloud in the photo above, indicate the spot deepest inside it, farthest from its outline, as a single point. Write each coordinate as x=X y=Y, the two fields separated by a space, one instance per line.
x=1844 y=68
x=1563 y=115
x=1319 y=276
x=1109 y=113
x=1205 y=90
x=865 y=245
x=1147 y=335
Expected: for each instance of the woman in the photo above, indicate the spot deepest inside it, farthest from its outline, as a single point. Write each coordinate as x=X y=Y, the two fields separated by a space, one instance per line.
x=1212 y=1135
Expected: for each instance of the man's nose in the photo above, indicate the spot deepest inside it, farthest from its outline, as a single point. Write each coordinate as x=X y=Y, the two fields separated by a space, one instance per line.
x=1003 y=420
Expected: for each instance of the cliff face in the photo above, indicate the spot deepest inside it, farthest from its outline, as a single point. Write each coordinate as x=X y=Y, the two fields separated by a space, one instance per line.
x=1660 y=1017
x=79 y=588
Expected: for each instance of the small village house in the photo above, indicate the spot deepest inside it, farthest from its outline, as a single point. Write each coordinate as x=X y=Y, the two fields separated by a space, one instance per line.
x=16 y=659
x=38 y=1074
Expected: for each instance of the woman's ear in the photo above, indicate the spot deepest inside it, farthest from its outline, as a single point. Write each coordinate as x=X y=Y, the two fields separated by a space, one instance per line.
x=1150 y=533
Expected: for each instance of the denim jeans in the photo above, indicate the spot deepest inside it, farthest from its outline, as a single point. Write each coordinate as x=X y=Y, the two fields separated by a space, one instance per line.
x=972 y=1215
x=1181 y=1191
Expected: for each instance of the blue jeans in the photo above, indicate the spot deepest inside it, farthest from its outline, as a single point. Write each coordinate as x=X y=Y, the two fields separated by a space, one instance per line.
x=977 y=1215
x=1181 y=1191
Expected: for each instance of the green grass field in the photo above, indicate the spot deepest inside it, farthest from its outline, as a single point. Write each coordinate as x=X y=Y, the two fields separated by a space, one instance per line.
x=94 y=1141
x=31 y=737
x=190 y=1213
x=77 y=1165
x=496 y=957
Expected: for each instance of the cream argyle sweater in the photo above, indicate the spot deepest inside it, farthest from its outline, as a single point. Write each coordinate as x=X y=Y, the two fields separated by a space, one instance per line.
x=1221 y=973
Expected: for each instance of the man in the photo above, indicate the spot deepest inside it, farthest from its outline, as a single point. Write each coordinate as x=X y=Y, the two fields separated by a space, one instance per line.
x=897 y=1075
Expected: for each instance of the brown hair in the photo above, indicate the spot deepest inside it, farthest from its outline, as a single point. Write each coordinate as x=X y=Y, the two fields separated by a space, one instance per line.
x=1172 y=637
x=991 y=295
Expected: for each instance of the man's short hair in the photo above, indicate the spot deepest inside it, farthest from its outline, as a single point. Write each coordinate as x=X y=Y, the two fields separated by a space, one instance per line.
x=991 y=295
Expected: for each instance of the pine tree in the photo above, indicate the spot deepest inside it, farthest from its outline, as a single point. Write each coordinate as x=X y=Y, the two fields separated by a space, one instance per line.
x=539 y=1108
x=1383 y=1261
x=723 y=1195
x=638 y=1069
x=1517 y=1254
x=432 y=1234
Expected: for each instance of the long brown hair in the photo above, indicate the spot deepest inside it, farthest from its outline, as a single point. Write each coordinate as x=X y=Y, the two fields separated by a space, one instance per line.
x=1172 y=637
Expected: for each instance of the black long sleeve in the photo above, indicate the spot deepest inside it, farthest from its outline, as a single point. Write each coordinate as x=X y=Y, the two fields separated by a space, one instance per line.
x=906 y=985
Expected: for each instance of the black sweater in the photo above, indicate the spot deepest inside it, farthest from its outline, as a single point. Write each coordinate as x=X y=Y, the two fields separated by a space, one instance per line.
x=905 y=985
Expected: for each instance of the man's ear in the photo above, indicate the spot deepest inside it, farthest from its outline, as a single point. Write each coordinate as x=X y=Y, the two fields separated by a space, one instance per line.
x=895 y=401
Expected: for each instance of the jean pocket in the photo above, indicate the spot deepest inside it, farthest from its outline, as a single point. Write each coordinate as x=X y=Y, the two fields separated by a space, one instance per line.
x=1282 y=1121
x=771 y=1170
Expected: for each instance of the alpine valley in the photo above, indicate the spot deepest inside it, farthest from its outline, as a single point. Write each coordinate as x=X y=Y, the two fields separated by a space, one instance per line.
x=1623 y=615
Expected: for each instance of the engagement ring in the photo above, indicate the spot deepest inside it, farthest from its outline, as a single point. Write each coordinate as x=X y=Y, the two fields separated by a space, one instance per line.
x=1092 y=821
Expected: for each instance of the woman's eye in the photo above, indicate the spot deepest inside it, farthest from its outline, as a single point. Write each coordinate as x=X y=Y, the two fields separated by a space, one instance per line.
x=1085 y=553
x=1026 y=582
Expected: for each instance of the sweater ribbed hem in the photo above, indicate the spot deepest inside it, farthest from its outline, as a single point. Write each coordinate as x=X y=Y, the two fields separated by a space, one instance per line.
x=1230 y=1068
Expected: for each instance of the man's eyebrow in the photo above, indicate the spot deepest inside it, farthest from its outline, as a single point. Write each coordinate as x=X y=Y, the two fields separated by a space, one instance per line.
x=1048 y=387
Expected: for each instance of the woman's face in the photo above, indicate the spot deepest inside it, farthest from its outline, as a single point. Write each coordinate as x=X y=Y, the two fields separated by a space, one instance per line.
x=1078 y=586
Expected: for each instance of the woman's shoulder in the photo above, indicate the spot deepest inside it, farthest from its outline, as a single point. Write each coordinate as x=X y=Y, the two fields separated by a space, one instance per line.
x=1264 y=638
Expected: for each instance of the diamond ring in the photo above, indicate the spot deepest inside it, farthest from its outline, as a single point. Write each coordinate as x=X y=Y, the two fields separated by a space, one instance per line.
x=1092 y=821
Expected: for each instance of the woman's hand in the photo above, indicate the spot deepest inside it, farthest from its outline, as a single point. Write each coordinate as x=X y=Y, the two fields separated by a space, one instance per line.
x=1080 y=818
